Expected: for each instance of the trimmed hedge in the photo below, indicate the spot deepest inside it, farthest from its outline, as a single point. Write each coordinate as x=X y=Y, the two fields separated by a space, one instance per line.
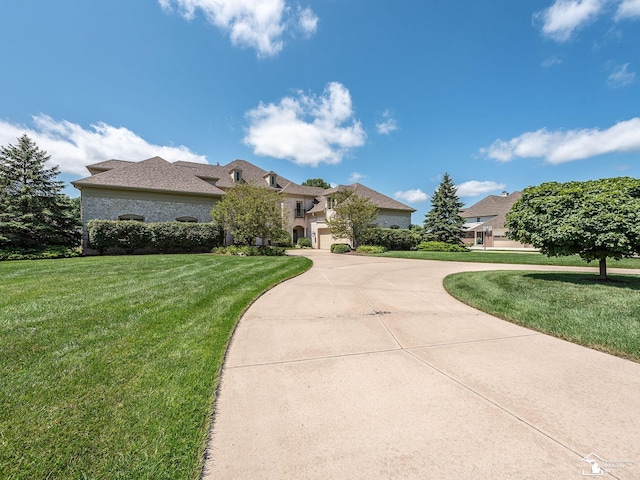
x=441 y=247
x=392 y=238
x=246 y=251
x=340 y=248
x=371 y=249
x=163 y=237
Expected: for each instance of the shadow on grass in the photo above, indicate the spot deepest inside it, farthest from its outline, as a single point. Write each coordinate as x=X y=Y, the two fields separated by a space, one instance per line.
x=618 y=281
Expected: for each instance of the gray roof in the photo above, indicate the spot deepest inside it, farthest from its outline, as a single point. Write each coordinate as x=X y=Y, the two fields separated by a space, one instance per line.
x=157 y=174
x=378 y=199
x=152 y=174
x=496 y=206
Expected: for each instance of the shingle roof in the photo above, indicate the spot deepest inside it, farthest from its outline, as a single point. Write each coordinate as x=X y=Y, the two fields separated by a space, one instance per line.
x=378 y=199
x=157 y=174
x=152 y=174
x=107 y=165
x=493 y=205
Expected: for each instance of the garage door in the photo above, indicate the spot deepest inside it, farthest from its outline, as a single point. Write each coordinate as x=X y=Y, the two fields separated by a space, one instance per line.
x=324 y=239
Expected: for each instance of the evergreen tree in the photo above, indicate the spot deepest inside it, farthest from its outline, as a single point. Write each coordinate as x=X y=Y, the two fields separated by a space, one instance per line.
x=443 y=223
x=33 y=212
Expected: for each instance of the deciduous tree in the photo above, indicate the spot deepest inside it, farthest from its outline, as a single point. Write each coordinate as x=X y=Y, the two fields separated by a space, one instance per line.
x=250 y=211
x=595 y=219
x=443 y=222
x=316 y=182
x=352 y=216
x=33 y=211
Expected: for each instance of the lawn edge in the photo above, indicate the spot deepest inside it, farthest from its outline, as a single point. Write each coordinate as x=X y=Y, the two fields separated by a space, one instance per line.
x=596 y=347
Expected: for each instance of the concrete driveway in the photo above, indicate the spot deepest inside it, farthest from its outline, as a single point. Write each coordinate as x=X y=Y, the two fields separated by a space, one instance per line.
x=365 y=368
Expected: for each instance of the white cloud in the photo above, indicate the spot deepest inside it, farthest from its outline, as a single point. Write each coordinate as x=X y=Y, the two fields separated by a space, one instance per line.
x=564 y=17
x=307 y=21
x=356 y=177
x=388 y=125
x=621 y=77
x=551 y=61
x=412 y=196
x=249 y=23
x=72 y=147
x=565 y=146
x=307 y=129
x=473 y=188
x=628 y=9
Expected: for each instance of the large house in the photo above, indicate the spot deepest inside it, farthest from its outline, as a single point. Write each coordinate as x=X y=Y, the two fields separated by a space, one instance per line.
x=155 y=190
x=485 y=221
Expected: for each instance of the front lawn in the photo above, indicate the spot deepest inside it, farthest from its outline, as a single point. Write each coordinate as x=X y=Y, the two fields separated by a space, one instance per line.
x=573 y=306
x=518 y=258
x=109 y=365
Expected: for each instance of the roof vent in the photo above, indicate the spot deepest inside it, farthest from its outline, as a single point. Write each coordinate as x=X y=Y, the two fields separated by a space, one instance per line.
x=504 y=193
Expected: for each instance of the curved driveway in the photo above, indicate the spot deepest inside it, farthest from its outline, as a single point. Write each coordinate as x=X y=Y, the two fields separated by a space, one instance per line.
x=365 y=368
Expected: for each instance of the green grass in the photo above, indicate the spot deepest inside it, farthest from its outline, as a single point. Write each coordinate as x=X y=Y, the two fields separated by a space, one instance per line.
x=518 y=258
x=573 y=306
x=109 y=365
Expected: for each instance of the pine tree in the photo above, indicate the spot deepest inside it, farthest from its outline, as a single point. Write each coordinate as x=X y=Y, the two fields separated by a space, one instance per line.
x=443 y=223
x=33 y=211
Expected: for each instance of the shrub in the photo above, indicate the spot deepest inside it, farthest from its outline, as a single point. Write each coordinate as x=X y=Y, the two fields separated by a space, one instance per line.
x=304 y=242
x=393 y=238
x=246 y=251
x=51 y=251
x=160 y=237
x=371 y=249
x=441 y=247
x=340 y=248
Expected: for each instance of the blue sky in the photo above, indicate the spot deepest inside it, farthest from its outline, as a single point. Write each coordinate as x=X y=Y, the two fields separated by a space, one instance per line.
x=501 y=94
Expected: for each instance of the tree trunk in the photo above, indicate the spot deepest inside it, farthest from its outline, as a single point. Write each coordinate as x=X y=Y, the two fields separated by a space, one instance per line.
x=603 y=268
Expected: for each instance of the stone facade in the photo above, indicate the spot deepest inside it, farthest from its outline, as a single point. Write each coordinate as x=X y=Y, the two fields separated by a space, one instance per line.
x=153 y=209
x=389 y=218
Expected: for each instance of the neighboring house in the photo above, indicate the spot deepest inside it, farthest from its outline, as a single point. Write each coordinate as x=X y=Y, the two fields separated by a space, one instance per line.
x=485 y=221
x=155 y=190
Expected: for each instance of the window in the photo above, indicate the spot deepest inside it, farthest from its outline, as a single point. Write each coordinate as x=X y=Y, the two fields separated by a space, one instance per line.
x=131 y=216
x=237 y=175
x=187 y=219
x=477 y=219
x=298 y=209
x=272 y=180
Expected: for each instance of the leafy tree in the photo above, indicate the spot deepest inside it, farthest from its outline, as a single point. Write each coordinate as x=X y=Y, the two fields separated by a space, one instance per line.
x=316 y=182
x=352 y=216
x=33 y=212
x=595 y=219
x=249 y=211
x=443 y=223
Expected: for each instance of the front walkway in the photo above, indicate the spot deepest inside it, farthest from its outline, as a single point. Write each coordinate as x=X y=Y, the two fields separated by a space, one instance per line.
x=365 y=368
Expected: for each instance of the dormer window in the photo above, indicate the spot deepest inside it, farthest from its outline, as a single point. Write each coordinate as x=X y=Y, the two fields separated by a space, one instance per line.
x=237 y=176
x=272 y=179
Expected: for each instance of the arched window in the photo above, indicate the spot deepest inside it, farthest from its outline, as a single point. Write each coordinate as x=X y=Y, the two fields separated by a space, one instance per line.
x=131 y=216
x=187 y=219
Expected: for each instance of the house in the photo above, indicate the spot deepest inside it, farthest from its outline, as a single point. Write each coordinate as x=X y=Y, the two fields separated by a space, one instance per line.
x=155 y=190
x=485 y=221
